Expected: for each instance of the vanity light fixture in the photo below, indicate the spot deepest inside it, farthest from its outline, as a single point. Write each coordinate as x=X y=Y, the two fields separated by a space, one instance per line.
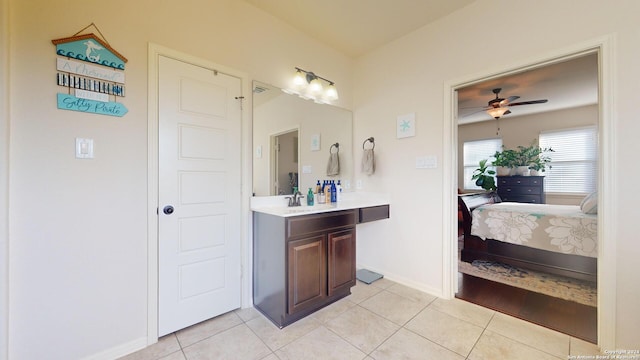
x=310 y=86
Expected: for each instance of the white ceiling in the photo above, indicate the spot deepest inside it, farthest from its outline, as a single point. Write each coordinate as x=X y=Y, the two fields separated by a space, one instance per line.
x=355 y=27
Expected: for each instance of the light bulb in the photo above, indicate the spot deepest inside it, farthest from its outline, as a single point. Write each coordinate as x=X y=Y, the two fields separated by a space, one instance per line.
x=331 y=93
x=299 y=82
x=497 y=112
x=315 y=87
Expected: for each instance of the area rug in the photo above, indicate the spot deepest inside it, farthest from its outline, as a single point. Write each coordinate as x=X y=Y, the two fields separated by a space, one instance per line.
x=583 y=292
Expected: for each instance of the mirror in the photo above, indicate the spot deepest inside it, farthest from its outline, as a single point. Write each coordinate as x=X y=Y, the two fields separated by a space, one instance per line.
x=293 y=140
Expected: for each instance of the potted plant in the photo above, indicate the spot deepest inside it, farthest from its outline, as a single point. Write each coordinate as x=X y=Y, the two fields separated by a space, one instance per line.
x=484 y=176
x=523 y=160
x=532 y=157
x=505 y=160
x=539 y=164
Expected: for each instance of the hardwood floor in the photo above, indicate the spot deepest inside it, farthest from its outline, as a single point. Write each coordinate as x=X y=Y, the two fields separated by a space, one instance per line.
x=568 y=317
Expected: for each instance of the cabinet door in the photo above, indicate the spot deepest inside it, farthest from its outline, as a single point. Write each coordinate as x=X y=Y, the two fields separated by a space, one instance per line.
x=342 y=260
x=307 y=275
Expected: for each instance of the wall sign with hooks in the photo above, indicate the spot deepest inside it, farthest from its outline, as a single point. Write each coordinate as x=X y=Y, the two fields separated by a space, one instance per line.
x=93 y=74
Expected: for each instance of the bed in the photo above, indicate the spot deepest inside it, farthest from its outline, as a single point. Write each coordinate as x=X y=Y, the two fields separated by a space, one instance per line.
x=557 y=239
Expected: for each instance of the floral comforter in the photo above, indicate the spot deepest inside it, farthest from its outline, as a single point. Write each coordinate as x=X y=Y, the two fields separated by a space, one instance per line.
x=558 y=228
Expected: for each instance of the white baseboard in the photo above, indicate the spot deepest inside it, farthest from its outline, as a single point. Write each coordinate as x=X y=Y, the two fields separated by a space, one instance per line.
x=404 y=281
x=120 y=350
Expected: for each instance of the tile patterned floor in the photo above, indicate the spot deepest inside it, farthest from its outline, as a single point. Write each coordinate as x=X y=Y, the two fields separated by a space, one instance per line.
x=384 y=320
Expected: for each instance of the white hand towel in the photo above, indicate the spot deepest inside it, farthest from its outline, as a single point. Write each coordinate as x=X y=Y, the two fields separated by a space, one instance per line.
x=333 y=166
x=368 y=162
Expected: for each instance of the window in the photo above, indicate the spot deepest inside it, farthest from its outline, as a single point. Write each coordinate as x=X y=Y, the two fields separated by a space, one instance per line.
x=574 y=163
x=473 y=152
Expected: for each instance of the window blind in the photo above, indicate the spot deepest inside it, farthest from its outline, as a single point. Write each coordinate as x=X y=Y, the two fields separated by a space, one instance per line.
x=473 y=152
x=574 y=163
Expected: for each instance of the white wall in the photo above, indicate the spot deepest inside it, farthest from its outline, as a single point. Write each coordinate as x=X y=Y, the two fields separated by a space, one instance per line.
x=408 y=76
x=78 y=245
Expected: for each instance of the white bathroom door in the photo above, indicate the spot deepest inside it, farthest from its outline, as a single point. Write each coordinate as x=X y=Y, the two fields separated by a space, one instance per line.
x=199 y=121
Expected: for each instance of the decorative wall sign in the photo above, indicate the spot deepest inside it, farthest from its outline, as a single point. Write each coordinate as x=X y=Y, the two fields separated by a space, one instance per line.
x=315 y=142
x=70 y=102
x=93 y=84
x=406 y=125
x=84 y=69
x=89 y=48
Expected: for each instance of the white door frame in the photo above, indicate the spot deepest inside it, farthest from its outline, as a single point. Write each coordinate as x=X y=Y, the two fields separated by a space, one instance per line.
x=4 y=179
x=154 y=52
x=606 y=232
x=273 y=161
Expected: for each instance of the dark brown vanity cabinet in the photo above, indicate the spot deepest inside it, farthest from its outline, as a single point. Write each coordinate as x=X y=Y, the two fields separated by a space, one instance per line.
x=302 y=263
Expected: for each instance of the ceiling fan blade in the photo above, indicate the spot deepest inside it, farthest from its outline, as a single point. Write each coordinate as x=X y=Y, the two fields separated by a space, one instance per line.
x=509 y=100
x=528 y=102
x=506 y=112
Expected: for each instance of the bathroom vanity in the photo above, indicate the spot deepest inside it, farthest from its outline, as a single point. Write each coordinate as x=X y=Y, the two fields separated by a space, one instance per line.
x=304 y=258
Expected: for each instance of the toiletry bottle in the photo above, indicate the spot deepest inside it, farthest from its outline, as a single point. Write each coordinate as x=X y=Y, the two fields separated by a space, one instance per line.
x=321 y=196
x=310 y=197
x=334 y=191
x=338 y=191
x=327 y=192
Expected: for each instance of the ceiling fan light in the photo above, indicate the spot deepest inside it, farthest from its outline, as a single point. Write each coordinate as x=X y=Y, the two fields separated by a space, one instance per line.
x=496 y=113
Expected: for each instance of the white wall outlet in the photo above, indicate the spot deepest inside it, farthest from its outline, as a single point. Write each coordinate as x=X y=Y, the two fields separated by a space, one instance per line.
x=358 y=184
x=84 y=148
x=307 y=169
x=347 y=184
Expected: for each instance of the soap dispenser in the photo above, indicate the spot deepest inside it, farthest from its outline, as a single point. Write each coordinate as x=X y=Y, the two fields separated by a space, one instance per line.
x=310 y=197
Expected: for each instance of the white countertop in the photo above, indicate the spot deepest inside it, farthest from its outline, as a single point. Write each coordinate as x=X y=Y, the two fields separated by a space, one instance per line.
x=277 y=205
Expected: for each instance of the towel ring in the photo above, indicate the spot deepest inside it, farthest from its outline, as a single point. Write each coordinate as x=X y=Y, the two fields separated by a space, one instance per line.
x=372 y=143
x=337 y=146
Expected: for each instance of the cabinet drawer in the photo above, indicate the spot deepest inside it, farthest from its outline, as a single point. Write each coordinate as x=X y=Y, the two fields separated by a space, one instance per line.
x=519 y=180
x=373 y=213
x=309 y=224
x=532 y=199
x=521 y=190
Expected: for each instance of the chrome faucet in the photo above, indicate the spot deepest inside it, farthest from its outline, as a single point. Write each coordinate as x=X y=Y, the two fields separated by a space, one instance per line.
x=295 y=199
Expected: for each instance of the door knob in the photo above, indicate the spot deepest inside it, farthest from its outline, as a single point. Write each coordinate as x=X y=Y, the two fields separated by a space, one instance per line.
x=168 y=210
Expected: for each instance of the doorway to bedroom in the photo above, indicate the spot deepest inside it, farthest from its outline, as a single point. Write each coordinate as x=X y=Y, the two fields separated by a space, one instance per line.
x=556 y=99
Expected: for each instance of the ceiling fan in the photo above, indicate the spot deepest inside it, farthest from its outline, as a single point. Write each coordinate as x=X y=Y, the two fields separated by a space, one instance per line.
x=500 y=106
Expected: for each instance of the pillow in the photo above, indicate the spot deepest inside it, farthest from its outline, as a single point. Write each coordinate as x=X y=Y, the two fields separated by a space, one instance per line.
x=589 y=204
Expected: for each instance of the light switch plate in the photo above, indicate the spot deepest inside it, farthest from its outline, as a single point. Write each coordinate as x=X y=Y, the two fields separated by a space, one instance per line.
x=426 y=162
x=84 y=148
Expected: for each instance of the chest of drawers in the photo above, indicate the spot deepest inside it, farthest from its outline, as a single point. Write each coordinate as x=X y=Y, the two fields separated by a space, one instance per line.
x=525 y=189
